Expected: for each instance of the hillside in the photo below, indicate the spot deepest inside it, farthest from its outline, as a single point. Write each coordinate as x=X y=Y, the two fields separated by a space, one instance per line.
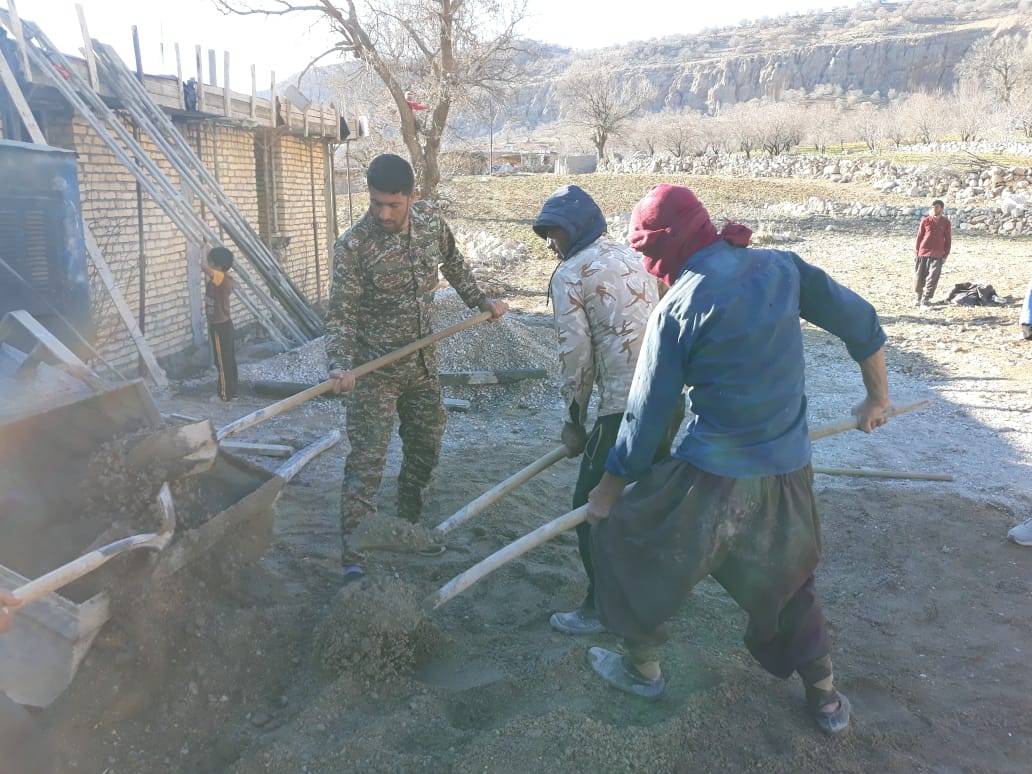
x=869 y=50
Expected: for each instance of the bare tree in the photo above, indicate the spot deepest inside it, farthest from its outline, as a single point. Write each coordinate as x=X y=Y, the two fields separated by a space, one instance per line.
x=997 y=63
x=682 y=134
x=739 y=124
x=973 y=111
x=927 y=115
x=822 y=121
x=646 y=133
x=1019 y=112
x=596 y=96
x=780 y=126
x=868 y=124
x=444 y=50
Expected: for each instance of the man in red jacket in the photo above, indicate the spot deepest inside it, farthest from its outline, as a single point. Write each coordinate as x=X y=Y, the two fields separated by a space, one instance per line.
x=932 y=250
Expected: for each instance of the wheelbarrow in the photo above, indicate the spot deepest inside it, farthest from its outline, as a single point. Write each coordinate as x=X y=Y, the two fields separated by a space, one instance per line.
x=44 y=465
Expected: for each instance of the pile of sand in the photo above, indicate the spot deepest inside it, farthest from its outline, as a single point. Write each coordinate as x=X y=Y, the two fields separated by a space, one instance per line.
x=375 y=631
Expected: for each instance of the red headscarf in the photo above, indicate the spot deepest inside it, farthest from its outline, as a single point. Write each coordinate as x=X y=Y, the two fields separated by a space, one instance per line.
x=670 y=225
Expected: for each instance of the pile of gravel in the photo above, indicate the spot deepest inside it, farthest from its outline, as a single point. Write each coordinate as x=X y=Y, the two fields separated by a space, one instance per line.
x=506 y=344
x=375 y=631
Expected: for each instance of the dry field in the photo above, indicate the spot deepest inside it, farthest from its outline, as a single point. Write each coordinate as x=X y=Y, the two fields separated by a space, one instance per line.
x=931 y=609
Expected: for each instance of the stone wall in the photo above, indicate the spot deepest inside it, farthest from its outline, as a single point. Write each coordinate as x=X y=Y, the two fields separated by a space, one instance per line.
x=989 y=198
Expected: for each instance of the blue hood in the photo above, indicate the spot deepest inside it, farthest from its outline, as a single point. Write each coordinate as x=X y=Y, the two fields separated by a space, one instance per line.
x=570 y=208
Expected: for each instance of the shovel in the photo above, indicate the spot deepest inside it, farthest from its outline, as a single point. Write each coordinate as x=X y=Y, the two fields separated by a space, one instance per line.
x=180 y=450
x=322 y=388
x=546 y=532
x=496 y=493
x=87 y=563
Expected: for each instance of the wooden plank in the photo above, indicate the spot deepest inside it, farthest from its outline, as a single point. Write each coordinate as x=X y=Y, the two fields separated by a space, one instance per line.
x=200 y=78
x=11 y=84
x=213 y=77
x=87 y=47
x=293 y=466
x=19 y=38
x=227 y=107
x=51 y=344
x=455 y=378
x=900 y=474
x=179 y=78
x=260 y=449
x=157 y=375
x=195 y=288
x=273 y=109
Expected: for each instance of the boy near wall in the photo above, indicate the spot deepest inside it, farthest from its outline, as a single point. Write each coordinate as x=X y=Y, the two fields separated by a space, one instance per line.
x=218 y=290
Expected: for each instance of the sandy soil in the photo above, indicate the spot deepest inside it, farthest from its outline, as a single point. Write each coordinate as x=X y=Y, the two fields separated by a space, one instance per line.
x=274 y=670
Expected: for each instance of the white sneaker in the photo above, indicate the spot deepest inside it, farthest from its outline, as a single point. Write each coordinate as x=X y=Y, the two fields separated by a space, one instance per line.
x=1022 y=534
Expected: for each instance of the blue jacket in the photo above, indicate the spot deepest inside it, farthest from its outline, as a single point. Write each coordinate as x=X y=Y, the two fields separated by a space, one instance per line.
x=729 y=330
x=573 y=210
x=1026 y=309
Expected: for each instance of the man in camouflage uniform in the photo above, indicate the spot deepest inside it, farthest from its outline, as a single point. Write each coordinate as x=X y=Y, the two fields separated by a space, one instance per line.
x=385 y=269
x=602 y=297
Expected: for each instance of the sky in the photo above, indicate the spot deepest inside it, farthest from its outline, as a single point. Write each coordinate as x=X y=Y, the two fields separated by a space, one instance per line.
x=286 y=45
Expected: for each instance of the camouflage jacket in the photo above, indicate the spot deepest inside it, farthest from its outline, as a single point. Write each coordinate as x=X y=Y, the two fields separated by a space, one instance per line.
x=383 y=287
x=603 y=298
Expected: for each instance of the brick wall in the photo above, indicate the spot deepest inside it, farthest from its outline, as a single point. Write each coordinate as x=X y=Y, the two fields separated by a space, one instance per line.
x=298 y=165
x=229 y=153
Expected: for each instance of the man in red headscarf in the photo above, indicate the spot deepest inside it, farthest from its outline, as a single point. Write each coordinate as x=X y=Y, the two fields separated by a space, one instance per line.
x=735 y=500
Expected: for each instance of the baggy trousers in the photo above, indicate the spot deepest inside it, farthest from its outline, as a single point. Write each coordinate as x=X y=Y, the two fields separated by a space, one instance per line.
x=593 y=466
x=410 y=390
x=926 y=277
x=759 y=538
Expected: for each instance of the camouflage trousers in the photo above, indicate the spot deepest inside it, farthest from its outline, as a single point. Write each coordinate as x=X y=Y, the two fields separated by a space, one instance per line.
x=410 y=390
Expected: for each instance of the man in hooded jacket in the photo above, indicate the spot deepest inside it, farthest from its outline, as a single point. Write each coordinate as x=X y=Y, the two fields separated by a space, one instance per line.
x=602 y=298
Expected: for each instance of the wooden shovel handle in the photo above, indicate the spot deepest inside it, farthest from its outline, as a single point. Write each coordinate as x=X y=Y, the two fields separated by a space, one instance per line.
x=546 y=532
x=496 y=493
x=322 y=388
x=845 y=425
x=87 y=563
x=504 y=555
x=77 y=568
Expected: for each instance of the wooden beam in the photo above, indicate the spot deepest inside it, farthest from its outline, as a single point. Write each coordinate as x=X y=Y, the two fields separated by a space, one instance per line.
x=273 y=110
x=87 y=47
x=200 y=78
x=14 y=90
x=157 y=375
x=227 y=107
x=213 y=76
x=261 y=449
x=195 y=285
x=179 y=78
x=859 y=473
x=51 y=344
x=19 y=38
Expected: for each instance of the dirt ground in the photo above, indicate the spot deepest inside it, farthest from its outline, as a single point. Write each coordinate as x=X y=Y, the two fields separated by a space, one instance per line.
x=273 y=670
